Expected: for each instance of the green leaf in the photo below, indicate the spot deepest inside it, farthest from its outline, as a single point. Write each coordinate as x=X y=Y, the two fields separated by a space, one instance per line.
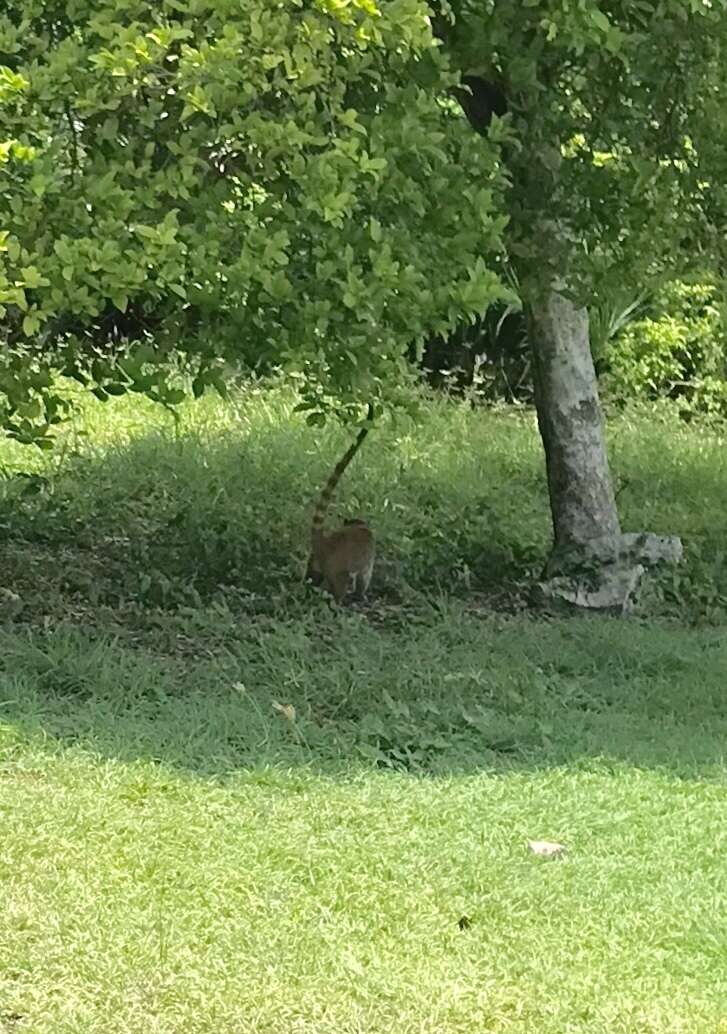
x=33 y=278
x=599 y=19
x=31 y=325
x=39 y=184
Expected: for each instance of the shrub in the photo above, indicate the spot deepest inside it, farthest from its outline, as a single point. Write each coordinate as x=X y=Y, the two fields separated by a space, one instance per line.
x=678 y=351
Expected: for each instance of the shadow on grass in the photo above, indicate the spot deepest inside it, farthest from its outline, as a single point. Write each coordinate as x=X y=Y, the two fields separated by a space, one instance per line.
x=163 y=618
x=164 y=523
x=452 y=693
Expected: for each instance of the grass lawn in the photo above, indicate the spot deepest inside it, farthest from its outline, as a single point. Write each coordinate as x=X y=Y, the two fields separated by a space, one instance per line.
x=226 y=808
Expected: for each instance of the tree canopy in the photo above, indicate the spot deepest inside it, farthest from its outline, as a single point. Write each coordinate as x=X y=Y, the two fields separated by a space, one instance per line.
x=284 y=183
x=293 y=183
x=619 y=111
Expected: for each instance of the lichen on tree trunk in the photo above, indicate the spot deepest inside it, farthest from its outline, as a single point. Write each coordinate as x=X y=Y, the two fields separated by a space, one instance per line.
x=593 y=565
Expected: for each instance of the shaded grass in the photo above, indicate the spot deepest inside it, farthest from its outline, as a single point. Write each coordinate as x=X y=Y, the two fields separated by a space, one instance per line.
x=134 y=513
x=223 y=506
x=453 y=693
x=227 y=807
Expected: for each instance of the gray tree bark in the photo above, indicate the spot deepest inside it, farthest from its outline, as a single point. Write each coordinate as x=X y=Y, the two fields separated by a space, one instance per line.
x=593 y=565
x=582 y=500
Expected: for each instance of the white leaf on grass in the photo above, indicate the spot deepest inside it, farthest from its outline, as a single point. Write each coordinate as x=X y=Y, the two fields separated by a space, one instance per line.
x=286 y=710
x=546 y=848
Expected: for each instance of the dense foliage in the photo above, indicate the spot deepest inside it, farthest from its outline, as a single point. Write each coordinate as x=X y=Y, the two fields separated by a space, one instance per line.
x=293 y=184
x=250 y=183
x=667 y=344
x=677 y=350
x=620 y=115
x=619 y=170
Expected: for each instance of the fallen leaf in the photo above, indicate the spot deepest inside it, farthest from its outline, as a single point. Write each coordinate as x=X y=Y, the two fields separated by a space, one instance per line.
x=546 y=848
x=464 y=922
x=286 y=710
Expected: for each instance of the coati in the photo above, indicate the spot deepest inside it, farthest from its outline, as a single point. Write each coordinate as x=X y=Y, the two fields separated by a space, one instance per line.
x=341 y=560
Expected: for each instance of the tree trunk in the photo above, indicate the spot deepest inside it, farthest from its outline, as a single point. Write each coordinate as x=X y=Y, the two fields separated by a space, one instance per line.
x=593 y=564
x=582 y=501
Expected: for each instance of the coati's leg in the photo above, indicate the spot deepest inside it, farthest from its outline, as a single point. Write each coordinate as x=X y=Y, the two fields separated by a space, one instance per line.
x=359 y=587
x=340 y=585
x=312 y=574
x=361 y=581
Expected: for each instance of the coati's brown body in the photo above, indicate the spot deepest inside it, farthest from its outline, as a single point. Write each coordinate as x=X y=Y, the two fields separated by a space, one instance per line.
x=342 y=560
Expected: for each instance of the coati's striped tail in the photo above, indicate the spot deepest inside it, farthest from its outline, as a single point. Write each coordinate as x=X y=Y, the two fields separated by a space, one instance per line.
x=319 y=514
